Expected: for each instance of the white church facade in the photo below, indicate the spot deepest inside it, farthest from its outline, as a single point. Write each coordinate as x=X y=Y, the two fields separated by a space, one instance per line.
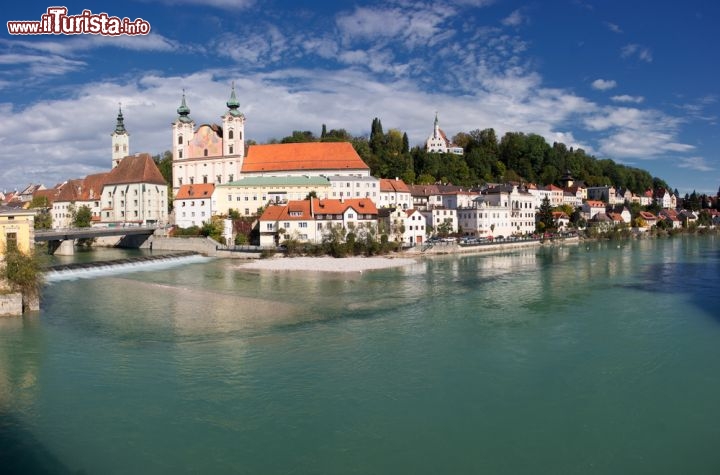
x=211 y=153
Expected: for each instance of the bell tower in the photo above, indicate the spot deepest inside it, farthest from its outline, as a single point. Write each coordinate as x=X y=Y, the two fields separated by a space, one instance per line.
x=233 y=128
x=120 y=140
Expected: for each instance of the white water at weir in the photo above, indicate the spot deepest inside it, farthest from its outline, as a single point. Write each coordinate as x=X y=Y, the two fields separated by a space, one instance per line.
x=123 y=268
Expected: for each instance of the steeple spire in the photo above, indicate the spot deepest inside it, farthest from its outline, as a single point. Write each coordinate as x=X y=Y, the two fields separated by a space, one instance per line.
x=233 y=104
x=120 y=125
x=184 y=111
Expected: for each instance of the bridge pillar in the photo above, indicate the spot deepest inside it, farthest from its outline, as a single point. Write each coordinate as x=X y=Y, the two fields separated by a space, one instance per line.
x=66 y=248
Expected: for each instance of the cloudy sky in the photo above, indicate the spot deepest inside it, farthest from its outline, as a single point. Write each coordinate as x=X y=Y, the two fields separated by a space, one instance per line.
x=634 y=81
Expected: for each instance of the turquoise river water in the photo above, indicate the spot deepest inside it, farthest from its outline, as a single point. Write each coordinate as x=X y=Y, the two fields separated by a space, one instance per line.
x=599 y=358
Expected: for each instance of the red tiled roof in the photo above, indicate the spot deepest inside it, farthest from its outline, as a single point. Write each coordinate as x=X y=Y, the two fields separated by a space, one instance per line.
x=393 y=186
x=302 y=156
x=71 y=191
x=51 y=194
x=647 y=216
x=201 y=190
x=300 y=210
x=92 y=186
x=595 y=204
x=138 y=168
x=361 y=205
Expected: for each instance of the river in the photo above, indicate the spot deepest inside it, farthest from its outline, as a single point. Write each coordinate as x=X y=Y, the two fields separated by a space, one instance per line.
x=592 y=358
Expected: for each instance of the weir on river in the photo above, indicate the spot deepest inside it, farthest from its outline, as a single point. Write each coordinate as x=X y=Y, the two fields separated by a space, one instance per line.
x=79 y=270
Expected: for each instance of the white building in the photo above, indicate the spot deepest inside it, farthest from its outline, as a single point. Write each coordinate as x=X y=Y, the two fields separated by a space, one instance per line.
x=406 y=226
x=134 y=192
x=439 y=143
x=394 y=193
x=310 y=220
x=354 y=186
x=436 y=217
x=500 y=211
x=193 y=205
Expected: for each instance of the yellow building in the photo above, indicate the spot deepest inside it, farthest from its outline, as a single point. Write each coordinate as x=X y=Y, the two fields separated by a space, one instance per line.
x=251 y=194
x=17 y=230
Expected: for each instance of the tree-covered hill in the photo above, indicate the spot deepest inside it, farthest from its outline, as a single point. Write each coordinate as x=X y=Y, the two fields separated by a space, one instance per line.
x=515 y=157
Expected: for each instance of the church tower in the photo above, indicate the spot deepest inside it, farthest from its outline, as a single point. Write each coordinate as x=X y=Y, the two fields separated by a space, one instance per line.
x=234 y=129
x=120 y=140
x=183 y=129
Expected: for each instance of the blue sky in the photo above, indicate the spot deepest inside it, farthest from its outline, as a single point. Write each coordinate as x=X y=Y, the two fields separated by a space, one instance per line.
x=634 y=81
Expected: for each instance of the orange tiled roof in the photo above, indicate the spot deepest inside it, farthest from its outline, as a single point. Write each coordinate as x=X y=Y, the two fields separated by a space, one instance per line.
x=361 y=205
x=595 y=203
x=302 y=156
x=201 y=190
x=71 y=191
x=138 y=168
x=300 y=210
x=393 y=186
x=92 y=187
x=51 y=194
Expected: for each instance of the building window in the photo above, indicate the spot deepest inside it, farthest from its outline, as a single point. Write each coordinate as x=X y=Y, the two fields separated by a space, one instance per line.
x=11 y=240
x=180 y=154
x=230 y=134
x=205 y=152
x=219 y=178
x=287 y=225
x=231 y=176
x=179 y=139
x=269 y=225
x=204 y=178
x=303 y=225
x=231 y=150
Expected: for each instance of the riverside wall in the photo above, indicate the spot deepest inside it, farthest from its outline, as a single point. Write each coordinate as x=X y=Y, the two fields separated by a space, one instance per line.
x=11 y=304
x=454 y=248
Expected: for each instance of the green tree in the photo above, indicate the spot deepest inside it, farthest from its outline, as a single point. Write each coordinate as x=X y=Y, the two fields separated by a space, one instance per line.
x=43 y=216
x=299 y=137
x=81 y=217
x=545 y=221
x=23 y=273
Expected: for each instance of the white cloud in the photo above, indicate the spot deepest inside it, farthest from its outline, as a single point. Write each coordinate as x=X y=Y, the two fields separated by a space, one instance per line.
x=603 y=84
x=613 y=27
x=41 y=66
x=636 y=51
x=628 y=99
x=695 y=163
x=516 y=18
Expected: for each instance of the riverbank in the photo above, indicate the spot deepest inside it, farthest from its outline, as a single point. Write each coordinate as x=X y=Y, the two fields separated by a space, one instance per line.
x=327 y=264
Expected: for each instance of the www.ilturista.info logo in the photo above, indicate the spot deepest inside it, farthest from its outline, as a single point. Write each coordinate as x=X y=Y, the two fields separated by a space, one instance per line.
x=57 y=22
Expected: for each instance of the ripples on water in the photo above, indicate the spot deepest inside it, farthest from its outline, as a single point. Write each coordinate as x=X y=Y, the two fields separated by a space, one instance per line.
x=575 y=359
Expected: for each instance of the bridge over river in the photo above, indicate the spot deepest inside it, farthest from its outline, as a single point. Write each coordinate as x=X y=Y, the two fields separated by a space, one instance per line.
x=62 y=241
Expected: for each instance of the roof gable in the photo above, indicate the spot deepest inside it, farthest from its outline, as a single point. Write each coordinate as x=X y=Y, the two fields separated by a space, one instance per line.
x=201 y=190
x=138 y=168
